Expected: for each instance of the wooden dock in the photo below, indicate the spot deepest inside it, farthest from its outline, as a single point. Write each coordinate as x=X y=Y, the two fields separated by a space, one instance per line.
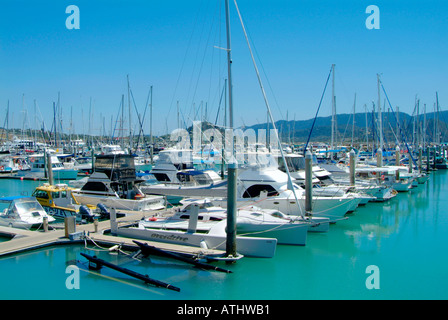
x=25 y=240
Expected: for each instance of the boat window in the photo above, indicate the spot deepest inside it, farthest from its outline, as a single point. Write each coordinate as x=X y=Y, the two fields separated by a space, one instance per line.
x=183 y=178
x=35 y=214
x=40 y=194
x=55 y=195
x=205 y=205
x=277 y=214
x=64 y=194
x=215 y=219
x=23 y=207
x=94 y=186
x=162 y=177
x=255 y=190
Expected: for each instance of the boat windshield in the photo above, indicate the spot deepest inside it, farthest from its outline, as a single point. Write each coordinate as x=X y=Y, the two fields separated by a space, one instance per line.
x=28 y=206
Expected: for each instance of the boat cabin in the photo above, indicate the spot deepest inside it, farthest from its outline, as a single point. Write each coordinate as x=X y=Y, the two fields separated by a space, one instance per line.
x=59 y=195
x=117 y=167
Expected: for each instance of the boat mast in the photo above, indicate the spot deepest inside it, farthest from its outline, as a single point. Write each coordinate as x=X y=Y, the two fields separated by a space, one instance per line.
x=129 y=110
x=232 y=165
x=290 y=184
x=437 y=120
x=333 y=113
x=380 y=124
x=353 y=123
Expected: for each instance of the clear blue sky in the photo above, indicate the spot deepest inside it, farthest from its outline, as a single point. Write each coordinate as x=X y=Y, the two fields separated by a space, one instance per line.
x=171 y=45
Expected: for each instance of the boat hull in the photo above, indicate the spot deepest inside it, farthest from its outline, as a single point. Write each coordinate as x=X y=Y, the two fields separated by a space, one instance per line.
x=247 y=246
x=59 y=213
x=147 y=203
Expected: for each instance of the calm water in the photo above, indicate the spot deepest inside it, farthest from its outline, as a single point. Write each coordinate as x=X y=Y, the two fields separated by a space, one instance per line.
x=405 y=238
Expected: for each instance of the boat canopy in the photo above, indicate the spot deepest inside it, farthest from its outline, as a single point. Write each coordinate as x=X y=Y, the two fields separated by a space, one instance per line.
x=12 y=198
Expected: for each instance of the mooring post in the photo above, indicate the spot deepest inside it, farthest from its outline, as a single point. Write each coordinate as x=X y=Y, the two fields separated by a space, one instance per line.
x=397 y=155
x=352 y=167
x=113 y=220
x=420 y=159
x=70 y=225
x=193 y=221
x=434 y=158
x=379 y=157
x=45 y=224
x=308 y=182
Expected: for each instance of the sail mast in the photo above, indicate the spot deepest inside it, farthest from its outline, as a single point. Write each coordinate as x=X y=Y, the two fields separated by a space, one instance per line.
x=232 y=165
x=333 y=113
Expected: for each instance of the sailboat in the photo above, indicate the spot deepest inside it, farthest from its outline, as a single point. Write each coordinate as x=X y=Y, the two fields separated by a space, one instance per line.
x=223 y=234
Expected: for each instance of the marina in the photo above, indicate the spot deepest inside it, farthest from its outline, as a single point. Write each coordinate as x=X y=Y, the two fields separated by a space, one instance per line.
x=332 y=265
x=235 y=203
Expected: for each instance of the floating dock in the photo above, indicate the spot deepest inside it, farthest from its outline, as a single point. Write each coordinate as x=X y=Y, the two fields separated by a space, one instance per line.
x=25 y=240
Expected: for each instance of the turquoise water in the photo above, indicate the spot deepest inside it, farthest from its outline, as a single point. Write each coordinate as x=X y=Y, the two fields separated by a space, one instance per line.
x=405 y=238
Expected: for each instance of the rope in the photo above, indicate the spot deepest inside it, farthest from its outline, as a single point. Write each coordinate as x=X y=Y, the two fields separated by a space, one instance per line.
x=290 y=184
x=399 y=127
x=318 y=108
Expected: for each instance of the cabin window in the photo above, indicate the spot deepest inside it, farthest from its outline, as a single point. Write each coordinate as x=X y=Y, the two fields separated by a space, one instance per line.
x=94 y=186
x=183 y=178
x=187 y=216
x=162 y=177
x=255 y=190
x=40 y=194
x=277 y=214
x=55 y=195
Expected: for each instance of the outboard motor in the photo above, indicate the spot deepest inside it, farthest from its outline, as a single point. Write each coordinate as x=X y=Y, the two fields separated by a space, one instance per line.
x=85 y=213
x=103 y=211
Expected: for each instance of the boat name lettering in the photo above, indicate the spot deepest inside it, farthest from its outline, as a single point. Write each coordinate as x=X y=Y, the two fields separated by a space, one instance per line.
x=168 y=237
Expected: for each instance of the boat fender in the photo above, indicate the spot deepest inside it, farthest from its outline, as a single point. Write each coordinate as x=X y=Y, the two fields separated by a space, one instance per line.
x=2 y=168
x=152 y=219
x=203 y=244
x=114 y=248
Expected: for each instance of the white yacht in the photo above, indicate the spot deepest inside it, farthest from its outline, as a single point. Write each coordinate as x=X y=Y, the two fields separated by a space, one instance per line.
x=251 y=221
x=267 y=187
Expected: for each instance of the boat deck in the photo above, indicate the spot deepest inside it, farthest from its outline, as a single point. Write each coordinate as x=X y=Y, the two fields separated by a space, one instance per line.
x=24 y=240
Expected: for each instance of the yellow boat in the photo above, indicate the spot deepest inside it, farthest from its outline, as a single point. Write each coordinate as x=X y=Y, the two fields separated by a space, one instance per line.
x=58 y=201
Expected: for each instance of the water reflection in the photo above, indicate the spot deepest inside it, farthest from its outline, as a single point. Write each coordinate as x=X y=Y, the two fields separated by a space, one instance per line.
x=370 y=225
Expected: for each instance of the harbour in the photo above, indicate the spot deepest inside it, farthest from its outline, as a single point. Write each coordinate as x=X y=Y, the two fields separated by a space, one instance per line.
x=217 y=209
x=331 y=266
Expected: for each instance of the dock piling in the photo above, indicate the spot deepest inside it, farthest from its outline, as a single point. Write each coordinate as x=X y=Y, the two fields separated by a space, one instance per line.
x=45 y=224
x=70 y=225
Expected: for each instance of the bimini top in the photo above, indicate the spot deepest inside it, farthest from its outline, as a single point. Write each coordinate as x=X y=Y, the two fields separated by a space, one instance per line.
x=12 y=198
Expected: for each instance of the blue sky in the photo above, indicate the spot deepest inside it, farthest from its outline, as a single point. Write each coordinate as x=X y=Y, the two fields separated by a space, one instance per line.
x=171 y=45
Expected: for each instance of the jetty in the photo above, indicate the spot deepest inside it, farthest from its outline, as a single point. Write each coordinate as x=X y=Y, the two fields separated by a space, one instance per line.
x=98 y=233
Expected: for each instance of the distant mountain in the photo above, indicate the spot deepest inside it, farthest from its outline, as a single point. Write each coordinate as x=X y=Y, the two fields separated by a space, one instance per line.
x=299 y=130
